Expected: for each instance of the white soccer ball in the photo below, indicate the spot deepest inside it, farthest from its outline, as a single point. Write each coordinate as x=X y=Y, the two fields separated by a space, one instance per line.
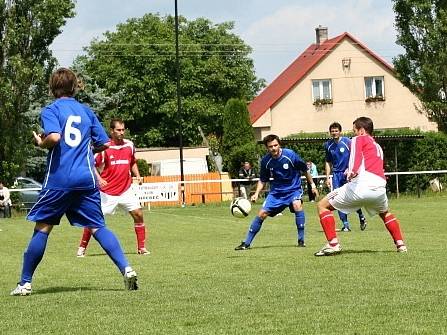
x=240 y=207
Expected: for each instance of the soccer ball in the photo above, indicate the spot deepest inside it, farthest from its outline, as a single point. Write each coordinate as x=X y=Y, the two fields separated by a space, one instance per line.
x=240 y=207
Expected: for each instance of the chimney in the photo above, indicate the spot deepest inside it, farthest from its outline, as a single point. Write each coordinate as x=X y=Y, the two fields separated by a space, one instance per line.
x=321 y=34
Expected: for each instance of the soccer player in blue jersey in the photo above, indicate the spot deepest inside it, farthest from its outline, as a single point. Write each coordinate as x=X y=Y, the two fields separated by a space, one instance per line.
x=282 y=168
x=337 y=151
x=70 y=187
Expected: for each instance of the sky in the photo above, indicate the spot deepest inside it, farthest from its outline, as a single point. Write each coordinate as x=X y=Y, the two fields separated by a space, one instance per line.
x=278 y=31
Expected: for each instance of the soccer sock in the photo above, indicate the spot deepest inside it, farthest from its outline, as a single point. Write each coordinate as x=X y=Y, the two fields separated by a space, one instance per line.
x=255 y=227
x=328 y=224
x=140 y=231
x=300 y=221
x=85 y=238
x=33 y=255
x=393 y=227
x=344 y=218
x=112 y=247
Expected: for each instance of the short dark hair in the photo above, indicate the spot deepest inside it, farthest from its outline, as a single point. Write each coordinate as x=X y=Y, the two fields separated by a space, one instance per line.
x=365 y=123
x=63 y=83
x=335 y=125
x=114 y=121
x=270 y=138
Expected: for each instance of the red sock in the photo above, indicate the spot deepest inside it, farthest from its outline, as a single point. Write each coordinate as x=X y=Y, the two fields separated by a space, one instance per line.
x=393 y=227
x=140 y=231
x=328 y=223
x=85 y=238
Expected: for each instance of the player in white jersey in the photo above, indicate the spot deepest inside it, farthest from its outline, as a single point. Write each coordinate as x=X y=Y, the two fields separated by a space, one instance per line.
x=366 y=188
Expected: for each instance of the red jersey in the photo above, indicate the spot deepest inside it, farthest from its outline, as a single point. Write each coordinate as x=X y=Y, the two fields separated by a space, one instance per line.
x=116 y=163
x=366 y=157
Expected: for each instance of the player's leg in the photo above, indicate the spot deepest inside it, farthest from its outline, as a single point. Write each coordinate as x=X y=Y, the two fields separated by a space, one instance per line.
x=393 y=227
x=300 y=221
x=32 y=257
x=362 y=220
x=254 y=229
x=86 y=211
x=130 y=202
x=85 y=239
x=327 y=221
x=140 y=231
x=338 y=180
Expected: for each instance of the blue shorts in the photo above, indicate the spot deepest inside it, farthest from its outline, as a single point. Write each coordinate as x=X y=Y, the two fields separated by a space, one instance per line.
x=338 y=179
x=82 y=208
x=276 y=203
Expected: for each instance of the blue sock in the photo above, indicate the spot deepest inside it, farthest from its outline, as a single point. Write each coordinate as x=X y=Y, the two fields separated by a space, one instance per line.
x=255 y=227
x=300 y=221
x=344 y=218
x=112 y=247
x=33 y=255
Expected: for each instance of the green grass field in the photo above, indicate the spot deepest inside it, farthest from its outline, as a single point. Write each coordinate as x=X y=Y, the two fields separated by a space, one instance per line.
x=195 y=283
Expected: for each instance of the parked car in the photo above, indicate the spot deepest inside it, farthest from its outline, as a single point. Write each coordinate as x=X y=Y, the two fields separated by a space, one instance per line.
x=30 y=190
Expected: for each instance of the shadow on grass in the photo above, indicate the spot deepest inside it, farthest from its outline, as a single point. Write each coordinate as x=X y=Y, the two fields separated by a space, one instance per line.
x=60 y=289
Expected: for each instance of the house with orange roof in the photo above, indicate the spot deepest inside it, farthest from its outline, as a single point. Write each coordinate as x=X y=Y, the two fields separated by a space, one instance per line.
x=337 y=79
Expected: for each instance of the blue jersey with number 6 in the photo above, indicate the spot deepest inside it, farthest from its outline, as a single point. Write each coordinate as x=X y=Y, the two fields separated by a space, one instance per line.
x=70 y=162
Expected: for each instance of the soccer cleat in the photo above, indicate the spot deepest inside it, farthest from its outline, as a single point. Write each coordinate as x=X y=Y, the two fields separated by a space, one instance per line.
x=329 y=250
x=242 y=246
x=301 y=244
x=81 y=252
x=130 y=279
x=345 y=229
x=402 y=248
x=363 y=223
x=22 y=290
x=143 y=251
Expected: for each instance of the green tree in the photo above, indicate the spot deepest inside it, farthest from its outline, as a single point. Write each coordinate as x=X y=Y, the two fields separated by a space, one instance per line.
x=238 y=141
x=422 y=31
x=27 y=28
x=135 y=67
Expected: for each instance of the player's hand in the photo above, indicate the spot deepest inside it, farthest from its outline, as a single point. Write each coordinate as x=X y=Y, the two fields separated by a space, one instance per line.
x=351 y=175
x=254 y=197
x=328 y=183
x=38 y=138
x=140 y=180
x=102 y=182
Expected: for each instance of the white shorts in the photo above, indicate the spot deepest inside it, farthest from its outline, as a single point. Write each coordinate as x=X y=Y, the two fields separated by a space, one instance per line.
x=128 y=201
x=353 y=196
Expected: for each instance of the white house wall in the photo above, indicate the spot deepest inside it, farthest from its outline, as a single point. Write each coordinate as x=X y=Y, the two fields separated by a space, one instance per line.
x=296 y=113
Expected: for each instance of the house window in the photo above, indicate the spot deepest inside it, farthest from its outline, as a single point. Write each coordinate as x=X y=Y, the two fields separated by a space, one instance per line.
x=374 y=87
x=322 y=90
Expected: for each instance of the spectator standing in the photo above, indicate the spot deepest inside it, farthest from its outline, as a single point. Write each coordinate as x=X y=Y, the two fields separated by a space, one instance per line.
x=246 y=172
x=5 y=201
x=312 y=168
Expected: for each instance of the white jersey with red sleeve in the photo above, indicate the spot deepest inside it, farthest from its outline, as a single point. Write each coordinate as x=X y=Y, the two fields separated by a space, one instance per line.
x=366 y=160
x=115 y=165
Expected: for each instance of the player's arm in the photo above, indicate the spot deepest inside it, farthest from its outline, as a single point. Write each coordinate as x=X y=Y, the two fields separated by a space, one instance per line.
x=259 y=186
x=46 y=142
x=311 y=182
x=100 y=148
x=356 y=156
x=328 y=168
x=136 y=173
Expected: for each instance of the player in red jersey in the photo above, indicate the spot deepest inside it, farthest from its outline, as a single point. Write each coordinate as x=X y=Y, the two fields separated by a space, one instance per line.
x=366 y=188
x=114 y=167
